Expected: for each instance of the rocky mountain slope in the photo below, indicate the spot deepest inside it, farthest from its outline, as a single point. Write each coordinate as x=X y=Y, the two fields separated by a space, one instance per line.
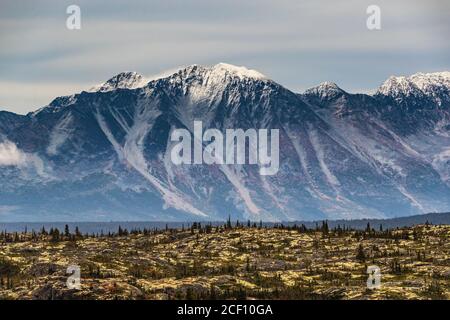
x=105 y=154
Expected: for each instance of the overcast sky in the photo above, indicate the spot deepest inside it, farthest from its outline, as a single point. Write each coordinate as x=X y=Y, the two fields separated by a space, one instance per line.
x=296 y=43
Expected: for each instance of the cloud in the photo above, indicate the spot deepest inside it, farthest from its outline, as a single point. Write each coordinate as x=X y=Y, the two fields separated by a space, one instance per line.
x=6 y=210
x=11 y=156
x=296 y=43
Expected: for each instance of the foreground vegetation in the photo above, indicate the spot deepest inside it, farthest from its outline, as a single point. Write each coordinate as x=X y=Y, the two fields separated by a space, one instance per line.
x=233 y=261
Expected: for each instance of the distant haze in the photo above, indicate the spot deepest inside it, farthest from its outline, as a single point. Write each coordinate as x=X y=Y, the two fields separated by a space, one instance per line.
x=105 y=227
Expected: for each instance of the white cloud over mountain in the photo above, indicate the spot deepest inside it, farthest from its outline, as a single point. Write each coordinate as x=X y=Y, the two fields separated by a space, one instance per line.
x=10 y=155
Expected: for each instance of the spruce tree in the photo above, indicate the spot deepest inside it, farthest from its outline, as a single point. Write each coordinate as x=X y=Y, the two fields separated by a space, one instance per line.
x=361 y=256
x=66 y=231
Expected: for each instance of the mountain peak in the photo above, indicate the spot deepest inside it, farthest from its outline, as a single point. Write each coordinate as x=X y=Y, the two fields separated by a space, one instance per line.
x=220 y=72
x=236 y=71
x=396 y=86
x=325 y=90
x=418 y=84
x=123 y=80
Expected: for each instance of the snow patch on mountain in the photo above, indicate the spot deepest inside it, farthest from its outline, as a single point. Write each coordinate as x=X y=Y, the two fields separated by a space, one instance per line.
x=320 y=154
x=417 y=85
x=132 y=153
x=60 y=133
x=325 y=90
x=222 y=70
x=245 y=195
x=441 y=163
x=123 y=80
x=301 y=154
x=206 y=85
x=428 y=82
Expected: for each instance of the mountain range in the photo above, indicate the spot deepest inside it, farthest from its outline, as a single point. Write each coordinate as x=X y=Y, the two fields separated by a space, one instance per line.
x=104 y=154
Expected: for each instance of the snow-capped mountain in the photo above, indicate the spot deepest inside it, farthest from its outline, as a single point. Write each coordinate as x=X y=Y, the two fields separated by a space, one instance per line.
x=325 y=91
x=124 y=80
x=431 y=85
x=105 y=154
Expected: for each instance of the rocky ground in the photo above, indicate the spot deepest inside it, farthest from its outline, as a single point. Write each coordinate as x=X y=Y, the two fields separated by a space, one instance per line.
x=223 y=262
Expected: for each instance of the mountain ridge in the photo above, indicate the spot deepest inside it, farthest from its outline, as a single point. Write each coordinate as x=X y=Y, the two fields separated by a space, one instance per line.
x=392 y=87
x=343 y=155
